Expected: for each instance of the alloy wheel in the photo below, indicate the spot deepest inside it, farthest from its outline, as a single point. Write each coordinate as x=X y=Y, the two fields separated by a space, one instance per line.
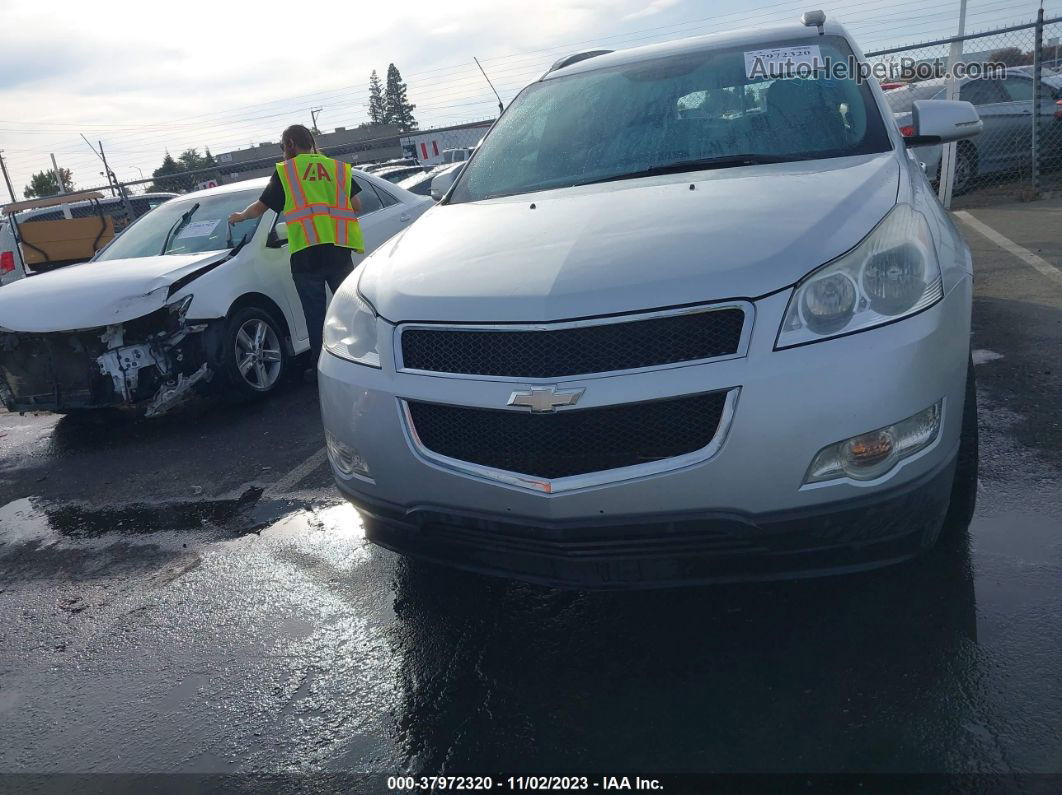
x=258 y=355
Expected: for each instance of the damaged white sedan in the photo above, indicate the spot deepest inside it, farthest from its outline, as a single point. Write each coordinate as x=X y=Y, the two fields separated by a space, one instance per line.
x=180 y=300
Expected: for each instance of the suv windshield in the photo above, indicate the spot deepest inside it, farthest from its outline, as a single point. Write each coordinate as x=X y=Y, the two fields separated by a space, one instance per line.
x=185 y=226
x=632 y=119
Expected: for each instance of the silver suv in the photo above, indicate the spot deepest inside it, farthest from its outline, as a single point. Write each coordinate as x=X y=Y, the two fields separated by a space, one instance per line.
x=675 y=321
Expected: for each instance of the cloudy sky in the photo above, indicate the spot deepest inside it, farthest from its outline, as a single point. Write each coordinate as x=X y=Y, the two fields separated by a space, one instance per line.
x=148 y=77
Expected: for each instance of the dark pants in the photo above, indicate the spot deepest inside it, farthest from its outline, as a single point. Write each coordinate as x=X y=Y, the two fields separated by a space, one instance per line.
x=311 y=287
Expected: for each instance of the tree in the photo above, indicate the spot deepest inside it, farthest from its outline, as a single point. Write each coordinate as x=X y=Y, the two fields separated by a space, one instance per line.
x=172 y=176
x=169 y=177
x=397 y=108
x=377 y=109
x=1011 y=56
x=44 y=183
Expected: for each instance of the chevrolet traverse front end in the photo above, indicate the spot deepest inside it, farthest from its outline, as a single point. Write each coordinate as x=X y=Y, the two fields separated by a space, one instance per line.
x=676 y=321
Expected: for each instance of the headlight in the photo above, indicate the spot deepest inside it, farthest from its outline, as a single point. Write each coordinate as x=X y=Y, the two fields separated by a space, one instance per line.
x=350 y=326
x=892 y=273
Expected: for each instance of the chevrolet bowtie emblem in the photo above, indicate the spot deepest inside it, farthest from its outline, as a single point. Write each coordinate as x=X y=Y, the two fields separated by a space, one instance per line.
x=545 y=399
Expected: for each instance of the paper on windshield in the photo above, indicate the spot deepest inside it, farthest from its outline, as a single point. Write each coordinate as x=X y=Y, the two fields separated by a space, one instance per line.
x=199 y=229
x=782 y=61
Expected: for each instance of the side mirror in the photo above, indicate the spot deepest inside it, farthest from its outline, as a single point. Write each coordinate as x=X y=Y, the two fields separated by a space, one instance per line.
x=442 y=182
x=938 y=121
x=278 y=235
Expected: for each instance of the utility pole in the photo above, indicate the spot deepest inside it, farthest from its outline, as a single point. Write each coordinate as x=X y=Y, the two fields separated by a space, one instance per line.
x=313 y=120
x=501 y=107
x=58 y=175
x=949 y=151
x=111 y=178
x=7 y=179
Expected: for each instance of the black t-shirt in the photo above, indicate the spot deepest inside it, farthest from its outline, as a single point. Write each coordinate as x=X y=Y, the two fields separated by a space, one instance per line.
x=313 y=258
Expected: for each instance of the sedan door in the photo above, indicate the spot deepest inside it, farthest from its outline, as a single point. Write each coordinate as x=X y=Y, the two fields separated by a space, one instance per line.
x=382 y=216
x=999 y=138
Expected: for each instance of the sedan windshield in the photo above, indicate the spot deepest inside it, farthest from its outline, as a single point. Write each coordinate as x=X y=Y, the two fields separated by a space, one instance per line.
x=185 y=226
x=700 y=110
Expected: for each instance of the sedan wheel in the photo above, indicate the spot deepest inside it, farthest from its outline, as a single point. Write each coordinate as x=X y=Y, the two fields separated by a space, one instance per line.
x=255 y=358
x=258 y=354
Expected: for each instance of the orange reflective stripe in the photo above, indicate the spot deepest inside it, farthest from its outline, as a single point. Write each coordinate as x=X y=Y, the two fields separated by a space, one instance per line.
x=340 y=184
x=299 y=195
x=309 y=211
x=341 y=233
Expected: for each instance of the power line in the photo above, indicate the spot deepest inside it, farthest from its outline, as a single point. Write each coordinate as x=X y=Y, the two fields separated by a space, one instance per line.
x=516 y=69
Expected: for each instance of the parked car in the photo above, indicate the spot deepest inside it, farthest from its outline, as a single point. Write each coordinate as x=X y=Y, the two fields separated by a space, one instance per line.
x=178 y=300
x=371 y=168
x=396 y=174
x=1005 y=107
x=56 y=233
x=456 y=155
x=420 y=183
x=638 y=345
x=1050 y=76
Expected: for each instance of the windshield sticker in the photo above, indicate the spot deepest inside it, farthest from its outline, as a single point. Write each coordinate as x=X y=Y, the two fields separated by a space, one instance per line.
x=779 y=62
x=199 y=229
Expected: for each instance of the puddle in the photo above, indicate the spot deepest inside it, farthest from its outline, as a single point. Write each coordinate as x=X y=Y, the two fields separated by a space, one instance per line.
x=28 y=520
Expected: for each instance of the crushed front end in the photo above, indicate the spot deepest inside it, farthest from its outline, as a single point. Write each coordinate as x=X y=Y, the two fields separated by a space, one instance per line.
x=151 y=362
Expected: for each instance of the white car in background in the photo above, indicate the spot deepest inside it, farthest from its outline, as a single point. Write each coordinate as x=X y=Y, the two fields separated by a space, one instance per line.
x=178 y=300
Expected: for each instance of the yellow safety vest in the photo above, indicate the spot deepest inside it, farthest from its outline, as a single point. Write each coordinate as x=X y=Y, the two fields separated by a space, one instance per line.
x=317 y=203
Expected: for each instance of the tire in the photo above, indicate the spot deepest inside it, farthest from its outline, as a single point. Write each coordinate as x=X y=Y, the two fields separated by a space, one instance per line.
x=964 y=487
x=965 y=168
x=255 y=361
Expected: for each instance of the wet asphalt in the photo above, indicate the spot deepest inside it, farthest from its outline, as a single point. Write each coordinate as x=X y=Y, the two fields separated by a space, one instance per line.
x=190 y=595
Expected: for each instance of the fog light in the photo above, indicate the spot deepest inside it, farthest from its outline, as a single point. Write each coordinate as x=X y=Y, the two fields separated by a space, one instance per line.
x=346 y=460
x=871 y=455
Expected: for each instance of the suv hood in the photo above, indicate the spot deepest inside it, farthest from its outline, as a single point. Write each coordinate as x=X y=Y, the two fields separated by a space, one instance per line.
x=95 y=294
x=630 y=245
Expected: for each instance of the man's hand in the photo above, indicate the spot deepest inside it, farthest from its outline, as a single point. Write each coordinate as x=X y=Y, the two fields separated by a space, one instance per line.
x=256 y=210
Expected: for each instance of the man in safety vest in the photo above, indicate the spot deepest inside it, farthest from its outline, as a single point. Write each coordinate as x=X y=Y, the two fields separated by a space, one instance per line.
x=317 y=197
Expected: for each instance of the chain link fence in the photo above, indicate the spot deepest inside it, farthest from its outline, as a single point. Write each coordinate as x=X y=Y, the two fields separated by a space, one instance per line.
x=1018 y=155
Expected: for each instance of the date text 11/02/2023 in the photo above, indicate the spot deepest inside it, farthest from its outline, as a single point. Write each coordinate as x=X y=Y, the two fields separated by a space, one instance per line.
x=522 y=783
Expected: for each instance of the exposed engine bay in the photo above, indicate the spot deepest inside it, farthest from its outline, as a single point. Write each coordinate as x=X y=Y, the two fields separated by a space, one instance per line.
x=151 y=363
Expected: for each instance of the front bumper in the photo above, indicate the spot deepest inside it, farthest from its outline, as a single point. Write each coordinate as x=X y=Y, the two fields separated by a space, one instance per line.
x=743 y=512
x=150 y=361
x=660 y=550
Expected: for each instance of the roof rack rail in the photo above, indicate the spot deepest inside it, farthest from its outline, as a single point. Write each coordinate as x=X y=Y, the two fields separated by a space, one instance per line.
x=568 y=60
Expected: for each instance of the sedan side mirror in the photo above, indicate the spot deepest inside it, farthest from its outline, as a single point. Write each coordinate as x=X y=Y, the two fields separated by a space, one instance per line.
x=938 y=121
x=278 y=235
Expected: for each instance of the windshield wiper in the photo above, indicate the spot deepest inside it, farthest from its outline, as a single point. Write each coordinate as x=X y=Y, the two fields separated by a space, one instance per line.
x=700 y=164
x=177 y=225
x=243 y=242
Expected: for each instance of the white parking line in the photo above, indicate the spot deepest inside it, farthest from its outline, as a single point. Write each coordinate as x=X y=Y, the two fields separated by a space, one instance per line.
x=296 y=474
x=1008 y=245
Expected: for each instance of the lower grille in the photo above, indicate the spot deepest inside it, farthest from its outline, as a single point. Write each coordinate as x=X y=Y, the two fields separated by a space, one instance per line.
x=572 y=442
x=650 y=541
